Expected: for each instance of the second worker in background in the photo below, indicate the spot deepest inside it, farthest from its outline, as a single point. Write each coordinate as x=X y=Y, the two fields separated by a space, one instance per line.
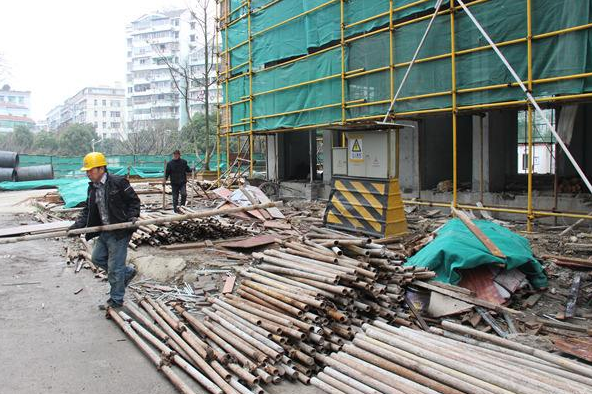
x=177 y=170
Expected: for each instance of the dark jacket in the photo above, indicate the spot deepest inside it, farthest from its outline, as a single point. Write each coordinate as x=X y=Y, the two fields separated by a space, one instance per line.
x=177 y=170
x=123 y=204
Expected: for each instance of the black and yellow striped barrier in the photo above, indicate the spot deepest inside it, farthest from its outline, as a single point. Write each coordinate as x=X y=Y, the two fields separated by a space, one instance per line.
x=371 y=206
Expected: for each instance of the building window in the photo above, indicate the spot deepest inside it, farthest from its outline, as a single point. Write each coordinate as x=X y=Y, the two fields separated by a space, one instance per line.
x=104 y=125
x=176 y=34
x=543 y=143
x=192 y=25
x=114 y=125
x=104 y=114
x=115 y=103
x=104 y=103
x=96 y=114
x=115 y=114
x=96 y=102
x=192 y=38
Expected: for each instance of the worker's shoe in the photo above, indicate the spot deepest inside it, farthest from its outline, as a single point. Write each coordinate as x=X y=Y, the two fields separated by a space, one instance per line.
x=110 y=304
x=130 y=276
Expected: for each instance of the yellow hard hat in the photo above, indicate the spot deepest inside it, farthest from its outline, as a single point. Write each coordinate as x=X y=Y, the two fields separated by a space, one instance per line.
x=93 y=160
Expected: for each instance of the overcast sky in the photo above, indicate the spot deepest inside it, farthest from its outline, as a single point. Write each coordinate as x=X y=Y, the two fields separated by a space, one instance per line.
x=55 y=48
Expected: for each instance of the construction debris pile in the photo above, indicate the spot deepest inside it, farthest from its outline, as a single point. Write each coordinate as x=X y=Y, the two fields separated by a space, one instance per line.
x=183 y=231
x=335 y=310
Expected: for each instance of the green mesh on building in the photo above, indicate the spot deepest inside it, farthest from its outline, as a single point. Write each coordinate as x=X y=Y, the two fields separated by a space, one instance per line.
x=561 y=55
x=144 y=166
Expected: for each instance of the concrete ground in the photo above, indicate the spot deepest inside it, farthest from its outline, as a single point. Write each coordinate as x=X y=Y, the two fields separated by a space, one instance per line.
x=54 y=341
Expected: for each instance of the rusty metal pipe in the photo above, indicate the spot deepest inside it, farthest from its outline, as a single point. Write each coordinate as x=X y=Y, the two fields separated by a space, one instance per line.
x=155 y=329
x=310 y=262
x=561 y=361
x=386 y=377
x=267 y=301
x=227 y=347
x=256 y=310
x=244 y=315
x=385 y=353
x=296 y=262
x=499 y=362
x=246 y=334
x=294 y=321
x=238 y=386
x=486 y=376
x=349 y=381
x=325 y=387
x=237 y=342
x=193 y=355
x=300 y=274
x=263 y=375
x=258 y=332
x=243 y=374
x=398 y=370
x=151 y=354
x=359 y=375
x=333 y=288
x=273 y=297
x=280 y=281
x=331 y=381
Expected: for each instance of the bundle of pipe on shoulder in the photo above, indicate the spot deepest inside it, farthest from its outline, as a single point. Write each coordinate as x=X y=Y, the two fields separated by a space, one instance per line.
x=306 y=313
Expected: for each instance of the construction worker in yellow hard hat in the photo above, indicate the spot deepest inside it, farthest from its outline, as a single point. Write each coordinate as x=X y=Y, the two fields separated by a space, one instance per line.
x=110 y=199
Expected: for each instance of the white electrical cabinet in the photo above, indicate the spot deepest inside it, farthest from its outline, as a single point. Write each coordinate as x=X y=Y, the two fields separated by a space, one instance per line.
x=339 y=161
x=369 y=154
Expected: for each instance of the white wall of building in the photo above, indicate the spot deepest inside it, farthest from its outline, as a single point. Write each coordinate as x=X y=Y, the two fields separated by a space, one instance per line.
x=15 y=109
x=152 y=94
x=103 y=107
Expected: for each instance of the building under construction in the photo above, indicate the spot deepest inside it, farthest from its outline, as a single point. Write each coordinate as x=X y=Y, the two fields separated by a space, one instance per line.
x=298 y=74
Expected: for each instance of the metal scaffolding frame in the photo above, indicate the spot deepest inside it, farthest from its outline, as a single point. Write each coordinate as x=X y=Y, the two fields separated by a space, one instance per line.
x=225 y=77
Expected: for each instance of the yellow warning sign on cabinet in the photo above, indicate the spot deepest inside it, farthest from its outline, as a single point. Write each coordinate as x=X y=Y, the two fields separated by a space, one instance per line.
x=356 y=148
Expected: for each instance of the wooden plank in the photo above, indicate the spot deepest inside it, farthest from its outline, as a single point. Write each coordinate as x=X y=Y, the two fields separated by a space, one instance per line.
x=229 y=285
x=251 y=242
x=465 y=298
x=493 y=249
x=277 y=224
x=36 y=228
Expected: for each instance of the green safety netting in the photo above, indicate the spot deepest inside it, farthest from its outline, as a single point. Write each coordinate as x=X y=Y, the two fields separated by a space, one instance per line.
x=142 y=165
x=456 y=248
x=556 y=56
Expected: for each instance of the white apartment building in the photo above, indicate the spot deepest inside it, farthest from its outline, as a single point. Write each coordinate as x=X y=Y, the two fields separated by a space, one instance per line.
x=103 y=107
x=15 y=109
x=154 y=42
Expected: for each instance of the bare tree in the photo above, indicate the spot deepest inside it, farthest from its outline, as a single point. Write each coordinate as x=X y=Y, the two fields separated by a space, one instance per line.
x=158 y=138
x=189 y=73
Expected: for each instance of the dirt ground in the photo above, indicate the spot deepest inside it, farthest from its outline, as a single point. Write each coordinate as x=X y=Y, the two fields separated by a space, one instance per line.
x=55 y=341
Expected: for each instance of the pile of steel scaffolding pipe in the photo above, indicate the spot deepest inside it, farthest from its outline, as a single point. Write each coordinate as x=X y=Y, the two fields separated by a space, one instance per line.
x=387 y=359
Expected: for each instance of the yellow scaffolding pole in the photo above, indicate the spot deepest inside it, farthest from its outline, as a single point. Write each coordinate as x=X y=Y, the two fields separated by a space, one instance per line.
x=229 y=110
x=454 y=109
x=251 y=137
x=529 y=216
x=454 y=120
x=218 y=60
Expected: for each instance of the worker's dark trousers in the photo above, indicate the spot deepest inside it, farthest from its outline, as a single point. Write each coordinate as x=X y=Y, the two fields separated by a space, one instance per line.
x=179 y=189
x=109 y=254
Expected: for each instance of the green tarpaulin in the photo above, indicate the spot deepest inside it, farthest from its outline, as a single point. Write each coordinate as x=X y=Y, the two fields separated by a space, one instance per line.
x=456 y=249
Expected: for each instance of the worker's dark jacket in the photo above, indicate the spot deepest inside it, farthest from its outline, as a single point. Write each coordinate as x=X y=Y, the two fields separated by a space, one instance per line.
x=177 y=170
x=123 y=204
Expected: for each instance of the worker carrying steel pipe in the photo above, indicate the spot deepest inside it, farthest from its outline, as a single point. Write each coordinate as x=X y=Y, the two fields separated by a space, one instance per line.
x=110 y=200
x=177 y=170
